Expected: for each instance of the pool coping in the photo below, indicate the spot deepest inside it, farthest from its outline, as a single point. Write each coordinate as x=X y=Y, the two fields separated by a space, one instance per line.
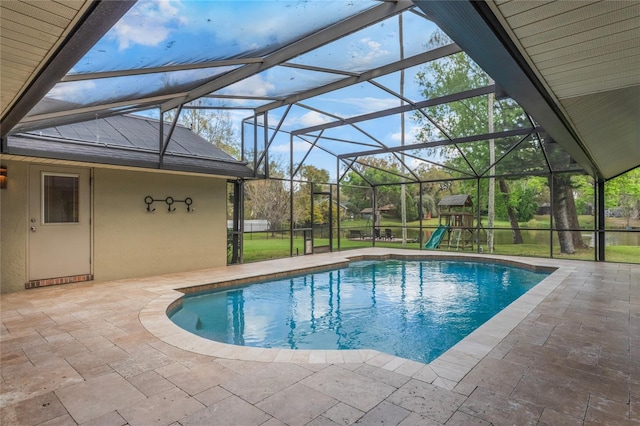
x=445 y=371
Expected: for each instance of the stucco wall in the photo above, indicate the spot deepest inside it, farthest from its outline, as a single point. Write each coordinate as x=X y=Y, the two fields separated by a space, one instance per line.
x=130 y=242
x=14 y=227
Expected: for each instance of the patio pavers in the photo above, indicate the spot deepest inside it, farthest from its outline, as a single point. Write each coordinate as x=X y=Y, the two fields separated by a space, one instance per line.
x=343 y=414
x=349 y=387
x=83 y=354
x=161 y=409
x=384 y=413
x=98 y=396
x=228 y=412
x=297 y=404
x=501 y=409
x=261 y=381
x=428 y=400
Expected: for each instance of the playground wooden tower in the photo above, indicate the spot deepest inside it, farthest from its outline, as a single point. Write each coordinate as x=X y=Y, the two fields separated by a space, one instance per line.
x=456 y=214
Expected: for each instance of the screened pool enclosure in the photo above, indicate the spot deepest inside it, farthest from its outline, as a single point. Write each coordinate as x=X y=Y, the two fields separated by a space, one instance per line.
x=356 y=118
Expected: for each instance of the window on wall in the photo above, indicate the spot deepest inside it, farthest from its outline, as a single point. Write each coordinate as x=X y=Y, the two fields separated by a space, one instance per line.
x=60 y=198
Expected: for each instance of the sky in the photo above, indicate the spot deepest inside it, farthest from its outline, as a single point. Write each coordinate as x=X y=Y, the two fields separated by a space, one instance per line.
x=160 y=33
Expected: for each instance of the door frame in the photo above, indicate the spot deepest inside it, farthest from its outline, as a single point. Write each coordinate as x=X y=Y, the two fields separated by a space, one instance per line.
x=57 y=169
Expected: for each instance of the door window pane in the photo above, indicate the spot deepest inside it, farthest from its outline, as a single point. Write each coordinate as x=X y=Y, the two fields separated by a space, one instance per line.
x=60 y=198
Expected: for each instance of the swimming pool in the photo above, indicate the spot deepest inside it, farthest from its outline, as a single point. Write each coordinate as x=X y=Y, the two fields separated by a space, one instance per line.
x=414 y=309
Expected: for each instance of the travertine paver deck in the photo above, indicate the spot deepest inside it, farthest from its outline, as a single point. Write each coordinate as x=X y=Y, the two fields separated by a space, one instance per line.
x=103 y=353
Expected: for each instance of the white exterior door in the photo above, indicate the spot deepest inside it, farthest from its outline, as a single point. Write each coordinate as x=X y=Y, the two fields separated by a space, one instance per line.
x=59 y=221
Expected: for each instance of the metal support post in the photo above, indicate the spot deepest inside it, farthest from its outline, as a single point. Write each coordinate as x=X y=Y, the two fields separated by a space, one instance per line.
x=600 y=240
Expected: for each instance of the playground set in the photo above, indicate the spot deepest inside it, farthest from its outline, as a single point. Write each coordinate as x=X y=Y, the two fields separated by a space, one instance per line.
x=455 y=223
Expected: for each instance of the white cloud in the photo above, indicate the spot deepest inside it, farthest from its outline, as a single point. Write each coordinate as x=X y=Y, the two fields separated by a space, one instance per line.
x=298 y=146
x=414 y=163
x=367 y=52
x=367 y=104
x=374 y=46
x=409 y=137
x=149 y=24
x=314 y=118
x=308 y=119
x=252 y=86
x=268 y=23
x=75 y=91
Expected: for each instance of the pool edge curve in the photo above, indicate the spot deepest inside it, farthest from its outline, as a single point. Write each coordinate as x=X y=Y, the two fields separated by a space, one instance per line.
x=445 y=371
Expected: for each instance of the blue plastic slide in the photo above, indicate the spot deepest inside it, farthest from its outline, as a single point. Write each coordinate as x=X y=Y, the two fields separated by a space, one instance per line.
x=436 y=237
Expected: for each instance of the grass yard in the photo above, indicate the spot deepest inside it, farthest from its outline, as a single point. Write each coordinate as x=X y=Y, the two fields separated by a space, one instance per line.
x=257 y=249
x=539 y=221
x=263 y=246
x=624 y=254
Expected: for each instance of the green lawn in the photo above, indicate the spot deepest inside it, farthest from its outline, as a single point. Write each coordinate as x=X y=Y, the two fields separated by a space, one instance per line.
x=263 y=246
x=625 y=254
x=586 y=222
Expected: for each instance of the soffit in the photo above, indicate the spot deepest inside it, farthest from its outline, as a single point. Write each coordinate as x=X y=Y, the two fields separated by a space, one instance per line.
x=32 y=31
x=587 y=55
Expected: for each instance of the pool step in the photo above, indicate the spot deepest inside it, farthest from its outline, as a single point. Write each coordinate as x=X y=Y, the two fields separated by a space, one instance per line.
x=187 y=319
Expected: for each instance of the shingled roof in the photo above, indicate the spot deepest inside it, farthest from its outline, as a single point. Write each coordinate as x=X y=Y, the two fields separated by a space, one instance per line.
x=460 y=200
x=128 y=140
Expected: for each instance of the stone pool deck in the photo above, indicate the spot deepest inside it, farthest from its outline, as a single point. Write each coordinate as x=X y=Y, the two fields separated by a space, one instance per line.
x=104 y=353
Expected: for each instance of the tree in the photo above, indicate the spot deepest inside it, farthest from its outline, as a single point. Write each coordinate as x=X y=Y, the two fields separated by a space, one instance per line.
x=366 y=173
x=378 y=172
x=214 y=126
x=564 y=210
x=522 y=200
x=456 y=73
x=411 y=207
x=511 y=211
x=470 y=116
x=583 y=193
x=302 y=196
x=623 y=192
x=268 y=199
x=310 y=173
x=356 y=193
x=436 y=185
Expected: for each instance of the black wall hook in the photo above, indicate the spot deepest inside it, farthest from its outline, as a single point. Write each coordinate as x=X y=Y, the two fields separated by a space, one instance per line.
x=170 y=201
x=148 y=201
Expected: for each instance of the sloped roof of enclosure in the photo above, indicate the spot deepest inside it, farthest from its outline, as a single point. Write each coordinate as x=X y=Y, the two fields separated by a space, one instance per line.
x=335 y=76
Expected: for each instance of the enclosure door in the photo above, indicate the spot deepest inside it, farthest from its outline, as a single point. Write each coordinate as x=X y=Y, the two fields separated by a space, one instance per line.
x=322 y=233
x=59 y=222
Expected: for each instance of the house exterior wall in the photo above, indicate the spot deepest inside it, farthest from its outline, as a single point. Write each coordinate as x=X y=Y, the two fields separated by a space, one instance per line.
x=14 y=227
x=131 y=242
x=127 y=240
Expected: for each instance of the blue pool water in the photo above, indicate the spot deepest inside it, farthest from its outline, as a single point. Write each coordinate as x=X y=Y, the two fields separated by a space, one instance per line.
x=412 y=309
